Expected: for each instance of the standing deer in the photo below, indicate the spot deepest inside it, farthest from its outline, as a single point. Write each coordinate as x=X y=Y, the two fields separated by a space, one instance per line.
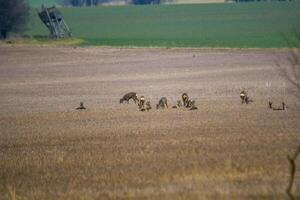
x=185 y=99
x=244 y=97
x=141 y=102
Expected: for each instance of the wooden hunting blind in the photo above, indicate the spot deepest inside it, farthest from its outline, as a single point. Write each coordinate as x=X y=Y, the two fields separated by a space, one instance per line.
x=55 y=22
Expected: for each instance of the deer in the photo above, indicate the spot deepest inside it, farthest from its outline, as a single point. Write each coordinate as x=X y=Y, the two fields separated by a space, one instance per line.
x=141 y=102
x=185 y=99
x=283 y=106
x=191 y=105
x=162 y=103
x=128 y=96
x=81 y=106
x=244 y=97
x=148 y=106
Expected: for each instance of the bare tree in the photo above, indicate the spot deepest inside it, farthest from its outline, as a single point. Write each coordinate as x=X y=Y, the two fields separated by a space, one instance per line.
x=291 y=71
x=292 y=160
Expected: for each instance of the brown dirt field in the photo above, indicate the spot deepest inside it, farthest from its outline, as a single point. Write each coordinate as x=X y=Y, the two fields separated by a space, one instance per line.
x=223 y=150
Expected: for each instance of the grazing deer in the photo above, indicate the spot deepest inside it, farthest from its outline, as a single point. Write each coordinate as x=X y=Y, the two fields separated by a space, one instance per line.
x=162 y=103
x=178 y=104
x=185 y=99
x=141 y=103
x=81 y=107
x=128 y=96
x=148 y=106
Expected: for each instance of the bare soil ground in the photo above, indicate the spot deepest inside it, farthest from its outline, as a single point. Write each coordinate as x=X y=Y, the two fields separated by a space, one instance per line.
x=223 y=150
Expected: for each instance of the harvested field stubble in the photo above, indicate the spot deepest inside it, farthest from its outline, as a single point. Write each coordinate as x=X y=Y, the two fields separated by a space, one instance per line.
x=49 y=150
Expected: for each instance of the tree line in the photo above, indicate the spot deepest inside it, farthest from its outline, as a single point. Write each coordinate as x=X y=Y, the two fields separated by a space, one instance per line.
x=79 y=3
x=13 y=16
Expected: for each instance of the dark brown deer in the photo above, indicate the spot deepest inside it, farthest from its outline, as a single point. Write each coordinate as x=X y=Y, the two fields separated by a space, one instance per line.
x=128 y=96
x=162 y=103
x=81 y=106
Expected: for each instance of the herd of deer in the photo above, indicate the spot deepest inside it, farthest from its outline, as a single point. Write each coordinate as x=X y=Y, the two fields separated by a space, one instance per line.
x=144 y=105
x=162 y=103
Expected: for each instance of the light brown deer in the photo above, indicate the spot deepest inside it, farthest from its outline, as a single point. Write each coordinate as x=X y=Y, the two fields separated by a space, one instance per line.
x=141 y=103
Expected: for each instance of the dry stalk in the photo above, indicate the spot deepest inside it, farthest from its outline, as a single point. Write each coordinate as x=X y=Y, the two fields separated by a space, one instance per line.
x=12 y=192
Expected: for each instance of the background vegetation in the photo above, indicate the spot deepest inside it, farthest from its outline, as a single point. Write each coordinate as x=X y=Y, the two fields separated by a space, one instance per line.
x=13 y=17
x=202 y=25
